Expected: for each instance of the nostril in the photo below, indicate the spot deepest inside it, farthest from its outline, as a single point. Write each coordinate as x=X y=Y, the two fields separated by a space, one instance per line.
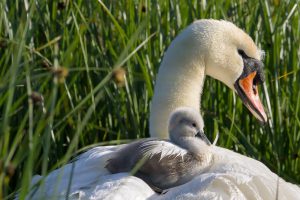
x=254 y=88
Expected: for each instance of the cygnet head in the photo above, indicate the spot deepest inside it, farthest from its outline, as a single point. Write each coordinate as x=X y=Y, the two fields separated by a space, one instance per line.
x=186 y=124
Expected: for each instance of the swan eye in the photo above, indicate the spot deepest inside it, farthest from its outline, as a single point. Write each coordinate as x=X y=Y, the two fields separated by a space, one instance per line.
x=194 y=125
x=242 y=53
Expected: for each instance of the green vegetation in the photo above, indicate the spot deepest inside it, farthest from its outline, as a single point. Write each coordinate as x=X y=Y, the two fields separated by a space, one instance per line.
x=62 y=88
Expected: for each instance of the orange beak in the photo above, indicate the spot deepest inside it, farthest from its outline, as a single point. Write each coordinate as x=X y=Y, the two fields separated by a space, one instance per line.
x=248 y=92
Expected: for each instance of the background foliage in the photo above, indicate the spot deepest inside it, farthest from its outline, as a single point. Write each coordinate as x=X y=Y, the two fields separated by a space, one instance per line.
x=63 y=89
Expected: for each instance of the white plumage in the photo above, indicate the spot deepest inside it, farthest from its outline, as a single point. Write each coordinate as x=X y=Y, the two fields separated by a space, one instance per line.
x=232 y=176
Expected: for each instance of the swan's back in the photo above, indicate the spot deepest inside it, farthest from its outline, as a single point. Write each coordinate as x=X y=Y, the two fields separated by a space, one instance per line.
x=232 y=176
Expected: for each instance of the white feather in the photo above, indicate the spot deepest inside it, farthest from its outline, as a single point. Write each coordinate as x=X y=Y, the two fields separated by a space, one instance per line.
x=164 y=148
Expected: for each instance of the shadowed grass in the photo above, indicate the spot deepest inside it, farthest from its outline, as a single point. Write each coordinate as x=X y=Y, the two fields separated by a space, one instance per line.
x=63 y=87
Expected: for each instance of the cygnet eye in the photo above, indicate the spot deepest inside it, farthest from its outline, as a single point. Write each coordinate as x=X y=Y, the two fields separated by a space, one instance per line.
x=194 y=125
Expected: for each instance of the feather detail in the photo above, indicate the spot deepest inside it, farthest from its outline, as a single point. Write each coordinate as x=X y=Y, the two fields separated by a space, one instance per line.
x=164 y=148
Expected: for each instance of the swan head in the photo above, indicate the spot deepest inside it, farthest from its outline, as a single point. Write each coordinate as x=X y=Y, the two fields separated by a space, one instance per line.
x=207 y=47
x=234 y=59
x=186 y=123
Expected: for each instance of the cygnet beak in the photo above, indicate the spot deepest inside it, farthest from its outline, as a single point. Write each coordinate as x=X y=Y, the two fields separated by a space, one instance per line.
x=200 y=134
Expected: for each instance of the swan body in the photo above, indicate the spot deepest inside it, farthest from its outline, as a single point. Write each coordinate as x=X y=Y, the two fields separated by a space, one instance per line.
x=231 y=176
x=167 y=163
x=207 y=47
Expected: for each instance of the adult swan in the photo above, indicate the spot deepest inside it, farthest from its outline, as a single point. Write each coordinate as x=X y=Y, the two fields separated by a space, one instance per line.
x=222 y=51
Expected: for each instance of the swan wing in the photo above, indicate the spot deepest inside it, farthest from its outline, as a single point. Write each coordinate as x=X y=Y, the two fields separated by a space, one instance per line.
x=234 y=176
x=83 y=170
x=114 y=187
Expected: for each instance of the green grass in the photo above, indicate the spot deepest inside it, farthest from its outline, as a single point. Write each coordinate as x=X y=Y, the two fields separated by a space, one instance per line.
x=60 y=89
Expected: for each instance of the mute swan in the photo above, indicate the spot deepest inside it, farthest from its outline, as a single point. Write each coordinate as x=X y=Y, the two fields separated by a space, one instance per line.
x=220 y=50
x=164 y=164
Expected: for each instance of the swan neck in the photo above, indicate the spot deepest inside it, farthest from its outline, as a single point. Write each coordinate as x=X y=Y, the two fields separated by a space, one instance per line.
x=179 y=83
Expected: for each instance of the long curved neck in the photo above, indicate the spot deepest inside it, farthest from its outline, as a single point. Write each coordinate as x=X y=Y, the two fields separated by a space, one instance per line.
x=179 y=83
